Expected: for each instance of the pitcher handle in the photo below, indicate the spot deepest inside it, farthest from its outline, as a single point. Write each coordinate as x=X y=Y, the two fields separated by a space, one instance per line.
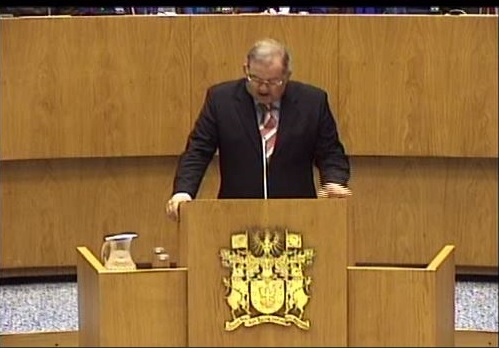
x=103 y=253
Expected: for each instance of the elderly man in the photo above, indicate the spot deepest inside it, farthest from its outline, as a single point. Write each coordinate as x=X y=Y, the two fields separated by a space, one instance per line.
x=270 y=131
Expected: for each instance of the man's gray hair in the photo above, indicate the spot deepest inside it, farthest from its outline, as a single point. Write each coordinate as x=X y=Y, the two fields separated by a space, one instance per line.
x=266 y=50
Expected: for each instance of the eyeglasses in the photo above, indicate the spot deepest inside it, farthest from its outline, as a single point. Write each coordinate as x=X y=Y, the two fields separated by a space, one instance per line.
x=259 y=81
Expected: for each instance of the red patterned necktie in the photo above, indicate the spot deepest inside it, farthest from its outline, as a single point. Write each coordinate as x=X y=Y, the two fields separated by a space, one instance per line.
x=268 y=128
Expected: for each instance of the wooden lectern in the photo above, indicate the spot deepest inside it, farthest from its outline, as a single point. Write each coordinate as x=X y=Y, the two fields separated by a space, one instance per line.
x=266 y=273
x=403 y=305
x=142 y=308
x=208 y=226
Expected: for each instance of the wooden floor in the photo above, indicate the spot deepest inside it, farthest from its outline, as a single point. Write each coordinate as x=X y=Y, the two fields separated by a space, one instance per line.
x=464 y=338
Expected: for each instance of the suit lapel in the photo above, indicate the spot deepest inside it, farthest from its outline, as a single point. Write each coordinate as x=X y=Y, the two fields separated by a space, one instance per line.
x=247 y=116
x=287 y=119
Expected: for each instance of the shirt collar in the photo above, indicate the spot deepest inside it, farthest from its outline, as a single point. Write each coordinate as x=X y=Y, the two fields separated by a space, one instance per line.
x=275 y=105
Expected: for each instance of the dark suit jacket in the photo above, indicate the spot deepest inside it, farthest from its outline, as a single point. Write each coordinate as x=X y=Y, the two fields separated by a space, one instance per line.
x=307 y=135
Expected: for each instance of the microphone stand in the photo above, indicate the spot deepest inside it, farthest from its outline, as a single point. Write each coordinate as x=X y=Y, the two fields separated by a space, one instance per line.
x=264 y=160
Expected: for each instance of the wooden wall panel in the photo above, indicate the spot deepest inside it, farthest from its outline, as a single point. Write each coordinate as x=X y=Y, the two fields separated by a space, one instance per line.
x=51 y=206
x=405 y=208
x=94 y=86
x=220 y=44
x=419 y=85
x=117 y=86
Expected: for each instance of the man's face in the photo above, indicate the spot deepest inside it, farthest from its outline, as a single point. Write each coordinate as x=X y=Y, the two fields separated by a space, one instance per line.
x=266 y=79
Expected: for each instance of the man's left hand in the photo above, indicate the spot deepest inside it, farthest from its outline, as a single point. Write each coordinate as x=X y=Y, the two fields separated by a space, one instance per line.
x=332 y=190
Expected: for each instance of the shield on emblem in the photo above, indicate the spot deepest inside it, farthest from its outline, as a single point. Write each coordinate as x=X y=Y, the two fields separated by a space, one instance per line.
x=267 y=296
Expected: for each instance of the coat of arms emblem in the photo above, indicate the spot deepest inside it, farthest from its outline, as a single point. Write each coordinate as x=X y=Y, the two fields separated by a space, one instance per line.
x=267 y=283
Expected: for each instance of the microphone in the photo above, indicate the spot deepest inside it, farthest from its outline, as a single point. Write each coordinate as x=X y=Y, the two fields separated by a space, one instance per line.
x=264 y=161
x=263 y=108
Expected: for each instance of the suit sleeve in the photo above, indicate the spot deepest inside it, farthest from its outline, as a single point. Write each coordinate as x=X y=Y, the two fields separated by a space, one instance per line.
x=330 y=157
x=200 y=148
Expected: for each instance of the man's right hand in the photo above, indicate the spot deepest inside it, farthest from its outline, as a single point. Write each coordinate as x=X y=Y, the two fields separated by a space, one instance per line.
x=172 y=207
